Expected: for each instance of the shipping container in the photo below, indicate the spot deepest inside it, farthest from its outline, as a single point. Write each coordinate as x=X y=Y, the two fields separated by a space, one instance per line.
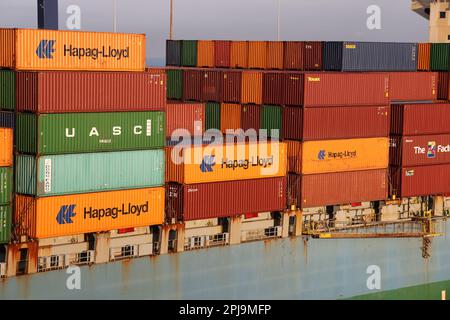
x=294 y=52
x=420 y=119
x=230 y=117
x=192 y=84
x=313 y=55
x=231 y=86
x=343 y=188
x=47 y=92
x=251 y=117
x=5 y=224
x=7 y=89
x=39 y=49
x=6 y=147
x=8 y=120
x=222 y=53
x=420 y=180
x=252 y=86
x=87 y=213
x=275 y=55
x=185 y=116
x=257 y=54
x=189 y=53
x=212 y=86
x=6 y=185
x=413 y=86
x=225 y=199
x=346 y=89
x=419 y=150
x=89 y=172
x=332 y=56
x=439 y=56
x=335 y=122
x=62 y=133
x=294 y=154
x=424 y=56
x=443 y=84
x=293 y=88
x=273 y=88
x=344 y=155
x=173 y=53
x=293 y=190
x=205 y=53
x=271 y=120
x=212 y=116
x=174 y=84
x=239 y=54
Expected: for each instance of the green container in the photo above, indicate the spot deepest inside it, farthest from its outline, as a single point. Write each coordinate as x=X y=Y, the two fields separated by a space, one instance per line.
x=6 y=185
x=440 y=56
x=5 y=224
x=47 y=134
x=271 y=119
x=7 y=90
x=212 y=116
x=89 y=172
x=175 y=84
x=189 y=53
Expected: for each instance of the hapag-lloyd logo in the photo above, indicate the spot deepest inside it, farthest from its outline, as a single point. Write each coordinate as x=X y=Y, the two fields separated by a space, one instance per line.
x=347 y=154
x=46 y=49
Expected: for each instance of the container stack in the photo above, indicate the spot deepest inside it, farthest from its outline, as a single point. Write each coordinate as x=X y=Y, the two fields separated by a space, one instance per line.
x=90 y=132
x=6 y=183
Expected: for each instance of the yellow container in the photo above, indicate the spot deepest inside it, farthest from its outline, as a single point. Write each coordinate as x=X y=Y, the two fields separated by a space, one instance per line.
x=30 y=49
x=6 y=147
x=242 y=161
x=92 y=212
x=345 y=155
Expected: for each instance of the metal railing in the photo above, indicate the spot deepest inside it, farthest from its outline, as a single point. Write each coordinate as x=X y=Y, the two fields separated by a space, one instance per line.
x=261 y=234
x=61 y=261
x=199 y=242
x=220 y=239
x=124 y=252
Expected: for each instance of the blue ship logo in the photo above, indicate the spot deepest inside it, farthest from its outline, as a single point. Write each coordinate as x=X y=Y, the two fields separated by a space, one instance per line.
x=65 y=214
x=321 y=155
x=207 y=164
x=46 y=49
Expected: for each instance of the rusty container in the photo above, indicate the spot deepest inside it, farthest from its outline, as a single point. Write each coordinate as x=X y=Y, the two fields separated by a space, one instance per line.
x=273 y=88
x=294 y=55
x=211 y=85
x=222 y=53
x=313 y=55
x=185 y=116
x=251 y=117
x=231 y=86
x=413 y=86
x=193 y=84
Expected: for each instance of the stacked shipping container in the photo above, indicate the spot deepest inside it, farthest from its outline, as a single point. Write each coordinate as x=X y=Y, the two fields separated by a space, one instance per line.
x=6 y=183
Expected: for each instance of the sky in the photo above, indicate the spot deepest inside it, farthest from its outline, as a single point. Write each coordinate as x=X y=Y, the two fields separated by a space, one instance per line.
x=233 y=19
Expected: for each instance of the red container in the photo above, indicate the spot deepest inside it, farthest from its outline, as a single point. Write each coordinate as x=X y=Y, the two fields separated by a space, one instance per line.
x=231 y=86
x=443 y=86
x=61 y=91
x=313 y=56
x=251 y=117
x=343 y=188
x=346 y=89
x=420 y=119
x=183 y=116
x=225 y=199
x=192 y=84
x=294 y=55
x=293 y=83
x=413 y=86
x=211 y=90
x=292 y=123
x=222 y=53
x=273 y=88
x=293 y=189
x=420 y=181
x=419 y=150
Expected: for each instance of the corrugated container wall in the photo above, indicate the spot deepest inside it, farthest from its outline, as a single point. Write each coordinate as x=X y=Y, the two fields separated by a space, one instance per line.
x=46 y=92
x=5 y=224
x=225 y=199
x=332 y=56
x=231 y=86
x=184 y=116
x=230 y=117
x=440 y=56
x=293 y=89
x=239 y=54
x=271 y=120
x=257 y=54
x=252 y=83
x=189 y=53
x=251 y=117
x=313 y=56
x=173 y=53
x=6 y=147
x=8 y=120
x=212 y=116
x=294 y=152
x=294 y=55
x=212 y=86
x=7 y=89
x=192 y=84
x=275 y=55
x=89 y=172
x=424 y=56
x=174 y=84
x=205 y=53
x=38 y=49
x=222 y=53
x=413 y=86
x=6 y=185
x=85 y=213
x=443 y=84
x=292 y=123
x=273 y=88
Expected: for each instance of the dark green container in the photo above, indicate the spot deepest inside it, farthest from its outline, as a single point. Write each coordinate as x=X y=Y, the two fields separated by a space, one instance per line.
x=7 y=90
x=175 y=84
x=6 y=185
x=189 y=53
x=5 y=224
x=212 y=116
x=440 y=56
x=271 y=119
x=48 y=134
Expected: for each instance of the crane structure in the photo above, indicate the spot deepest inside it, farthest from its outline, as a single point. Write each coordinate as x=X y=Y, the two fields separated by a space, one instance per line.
x=437 y=12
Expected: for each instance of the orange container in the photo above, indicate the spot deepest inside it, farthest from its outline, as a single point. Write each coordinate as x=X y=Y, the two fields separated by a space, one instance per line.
x=344 y=155
x=275 y=55
x=85 y=213
x=203 y=164
x=239 y=54
x=205 y=53
x=230 y=117
x=252 y=82
x=6 y=147
x=423 y=61
x=257 y=54
x=38 y=49
x=294 y=155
